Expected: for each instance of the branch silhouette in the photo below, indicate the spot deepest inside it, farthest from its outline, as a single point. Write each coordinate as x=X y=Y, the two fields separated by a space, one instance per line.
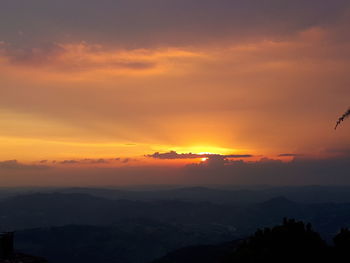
x=342 y=118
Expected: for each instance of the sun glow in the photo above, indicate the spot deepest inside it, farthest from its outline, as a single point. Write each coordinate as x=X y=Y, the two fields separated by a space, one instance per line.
x=205 y=153
x=204 y=159
x=204 y=149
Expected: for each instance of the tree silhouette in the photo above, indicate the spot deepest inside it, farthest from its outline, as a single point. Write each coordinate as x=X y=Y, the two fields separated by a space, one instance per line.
x=293 y=241
x=290 y=242
x=342 y=118
x=342 y=245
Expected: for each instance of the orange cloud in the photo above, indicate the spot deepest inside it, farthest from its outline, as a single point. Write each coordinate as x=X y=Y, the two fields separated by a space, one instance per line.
x=269 y=96
x=83 y=60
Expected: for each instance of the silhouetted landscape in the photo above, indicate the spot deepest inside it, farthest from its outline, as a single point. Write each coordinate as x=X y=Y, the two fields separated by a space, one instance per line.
x=96 y=225
x=289 y=242
x=174 y=131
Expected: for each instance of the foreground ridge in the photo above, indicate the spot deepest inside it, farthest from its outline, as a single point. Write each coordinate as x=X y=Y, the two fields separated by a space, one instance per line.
x=8 y=255
x=291 y=241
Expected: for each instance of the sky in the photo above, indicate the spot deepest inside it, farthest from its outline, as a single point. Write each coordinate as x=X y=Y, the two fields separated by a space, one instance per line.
x=209 y=92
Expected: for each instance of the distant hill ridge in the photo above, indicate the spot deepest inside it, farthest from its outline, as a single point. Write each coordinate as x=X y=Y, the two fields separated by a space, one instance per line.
x=236 y=195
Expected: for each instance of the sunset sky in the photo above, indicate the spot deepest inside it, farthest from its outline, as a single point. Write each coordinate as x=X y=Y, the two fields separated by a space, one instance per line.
x=102 y=92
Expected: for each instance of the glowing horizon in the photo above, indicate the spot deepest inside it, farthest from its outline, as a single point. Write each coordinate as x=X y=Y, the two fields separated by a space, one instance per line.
x=259 y=82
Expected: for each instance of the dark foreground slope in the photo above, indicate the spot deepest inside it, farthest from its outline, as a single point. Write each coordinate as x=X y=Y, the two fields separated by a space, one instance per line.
x=86 y=228
x=135 y=241
x=292 y=241
x=202 y=254
x=56 y=209
x=23 y=258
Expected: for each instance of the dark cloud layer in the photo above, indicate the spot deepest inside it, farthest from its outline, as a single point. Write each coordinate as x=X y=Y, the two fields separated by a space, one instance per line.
x=275 y=172
x=50 y=55
x=175 y=155
x=216 y=170
x=139 y=22
x=15 y=165
x=290 y=155
x=85 y=161
x=94 y=161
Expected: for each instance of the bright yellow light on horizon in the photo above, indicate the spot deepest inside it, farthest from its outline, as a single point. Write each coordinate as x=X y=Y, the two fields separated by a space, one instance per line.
x=204 y=150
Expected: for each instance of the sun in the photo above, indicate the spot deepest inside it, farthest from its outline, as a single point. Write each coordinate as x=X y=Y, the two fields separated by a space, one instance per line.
x=204 y=159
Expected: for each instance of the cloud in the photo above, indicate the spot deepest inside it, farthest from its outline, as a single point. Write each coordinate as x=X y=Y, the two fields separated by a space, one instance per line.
x=69 y=162
x=126 y=160
x=85 y=161
x=89 y=161
x=290 y=155
x=15 y=165
x=218 y=171
x=236 y=156
x=215 y=161
x=184 y=22
x=338 y=152
x=77 y=57
x=274 y=172
x=214 y=94
x=175 y=155
x=94 y=161
x=31 y=56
